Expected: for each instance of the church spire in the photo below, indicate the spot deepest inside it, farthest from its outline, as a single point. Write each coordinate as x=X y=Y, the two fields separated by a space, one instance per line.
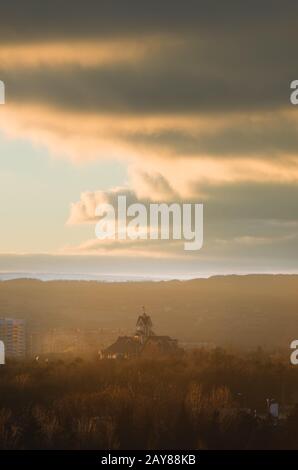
x=144 y=324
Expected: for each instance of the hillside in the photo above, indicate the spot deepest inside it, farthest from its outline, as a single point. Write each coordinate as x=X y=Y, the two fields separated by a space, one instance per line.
x=247 y=311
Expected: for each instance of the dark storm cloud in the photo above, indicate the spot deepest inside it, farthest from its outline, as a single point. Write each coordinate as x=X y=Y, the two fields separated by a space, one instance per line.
x=36 y=20
x=258 y=201
x=178 y=81
x=166 y=85
x=239 y=220
x=239 y=141
x=246 y=201
x=231 y=55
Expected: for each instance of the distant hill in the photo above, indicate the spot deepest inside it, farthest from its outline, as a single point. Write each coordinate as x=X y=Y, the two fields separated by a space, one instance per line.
x=247 y=311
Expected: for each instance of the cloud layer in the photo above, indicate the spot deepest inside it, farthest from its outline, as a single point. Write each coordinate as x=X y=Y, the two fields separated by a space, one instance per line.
x=194 y=97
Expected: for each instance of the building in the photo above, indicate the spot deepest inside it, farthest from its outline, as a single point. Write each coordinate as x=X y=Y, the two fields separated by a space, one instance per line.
x=13 y=335
x=143 y=343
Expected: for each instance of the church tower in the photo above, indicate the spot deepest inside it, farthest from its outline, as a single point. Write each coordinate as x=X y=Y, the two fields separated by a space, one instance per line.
x=144 y=325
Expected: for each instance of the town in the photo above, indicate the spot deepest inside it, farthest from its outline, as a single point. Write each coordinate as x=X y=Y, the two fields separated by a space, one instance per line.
x=21 y=343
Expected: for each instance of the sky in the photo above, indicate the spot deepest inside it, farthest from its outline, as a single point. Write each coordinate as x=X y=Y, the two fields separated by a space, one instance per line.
x=162 y=101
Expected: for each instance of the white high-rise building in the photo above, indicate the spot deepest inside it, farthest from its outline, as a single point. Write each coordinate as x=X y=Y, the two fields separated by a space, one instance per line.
x=13 y=335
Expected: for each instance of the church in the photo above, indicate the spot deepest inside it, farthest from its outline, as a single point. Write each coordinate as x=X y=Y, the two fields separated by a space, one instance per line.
x=143 y=343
